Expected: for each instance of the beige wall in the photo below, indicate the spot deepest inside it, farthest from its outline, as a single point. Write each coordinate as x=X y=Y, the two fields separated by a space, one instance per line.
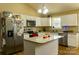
x=65 y=13
x=19 y=8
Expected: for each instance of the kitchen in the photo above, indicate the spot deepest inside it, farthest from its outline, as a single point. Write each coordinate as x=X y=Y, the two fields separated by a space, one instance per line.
x=54 y=33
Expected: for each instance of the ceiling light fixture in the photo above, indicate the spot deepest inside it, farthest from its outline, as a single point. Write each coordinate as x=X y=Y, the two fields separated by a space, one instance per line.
x=43 y=10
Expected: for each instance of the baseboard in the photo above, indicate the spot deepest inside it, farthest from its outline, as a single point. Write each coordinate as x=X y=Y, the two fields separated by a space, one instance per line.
x=63 y=45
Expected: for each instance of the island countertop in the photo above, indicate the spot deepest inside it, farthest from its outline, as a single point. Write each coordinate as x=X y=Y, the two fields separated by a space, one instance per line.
x=40 y=38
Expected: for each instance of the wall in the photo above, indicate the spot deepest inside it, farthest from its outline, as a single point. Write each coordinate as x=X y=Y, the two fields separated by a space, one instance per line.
x=19 y=8
x=71 y=29
x=65 y=13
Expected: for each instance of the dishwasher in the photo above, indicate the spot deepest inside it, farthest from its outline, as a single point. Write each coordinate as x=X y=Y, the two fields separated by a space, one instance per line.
x=64 y=40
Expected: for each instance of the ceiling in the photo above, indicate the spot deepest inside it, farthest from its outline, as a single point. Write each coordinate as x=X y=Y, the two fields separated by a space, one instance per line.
x=55 y=7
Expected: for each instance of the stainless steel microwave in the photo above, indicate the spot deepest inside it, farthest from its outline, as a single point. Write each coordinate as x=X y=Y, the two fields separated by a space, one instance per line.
x=31 y=23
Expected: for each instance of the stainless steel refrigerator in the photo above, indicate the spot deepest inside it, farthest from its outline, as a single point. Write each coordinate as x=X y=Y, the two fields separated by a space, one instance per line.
x=11 y=41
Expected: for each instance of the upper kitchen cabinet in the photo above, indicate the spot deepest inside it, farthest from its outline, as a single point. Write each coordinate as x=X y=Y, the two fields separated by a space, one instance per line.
x=38 y=22
x=42 y=22
x=45 y=22
x=69 y=20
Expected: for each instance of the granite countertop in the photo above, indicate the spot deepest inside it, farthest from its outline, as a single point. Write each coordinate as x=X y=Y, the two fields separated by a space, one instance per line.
x=40 y=39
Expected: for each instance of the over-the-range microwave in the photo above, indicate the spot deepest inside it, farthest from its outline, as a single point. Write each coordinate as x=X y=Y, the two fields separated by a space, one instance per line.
x=30 y=23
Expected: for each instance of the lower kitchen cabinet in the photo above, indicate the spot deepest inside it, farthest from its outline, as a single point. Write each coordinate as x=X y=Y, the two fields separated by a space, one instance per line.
x=73 y=39
x=49 y=48
x=29 y=48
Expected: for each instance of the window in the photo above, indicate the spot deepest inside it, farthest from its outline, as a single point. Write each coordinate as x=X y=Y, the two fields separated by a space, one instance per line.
x=56 y=22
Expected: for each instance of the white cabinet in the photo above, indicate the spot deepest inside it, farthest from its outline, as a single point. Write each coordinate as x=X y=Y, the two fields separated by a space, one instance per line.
x=38 y=22
x=73 y=39
x=69 y=20
x=45 y=22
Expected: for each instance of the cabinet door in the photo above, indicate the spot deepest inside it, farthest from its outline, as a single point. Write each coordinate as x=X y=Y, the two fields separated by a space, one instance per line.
x=69 y=20
x=38 y=22
x=45 y=22
x=72 y=40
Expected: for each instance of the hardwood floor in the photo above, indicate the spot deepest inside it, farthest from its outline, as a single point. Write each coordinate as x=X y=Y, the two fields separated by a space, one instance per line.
x=68 y=50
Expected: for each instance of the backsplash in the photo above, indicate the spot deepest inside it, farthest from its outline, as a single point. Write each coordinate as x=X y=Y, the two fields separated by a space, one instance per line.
x=38 y=29
x=70 y=28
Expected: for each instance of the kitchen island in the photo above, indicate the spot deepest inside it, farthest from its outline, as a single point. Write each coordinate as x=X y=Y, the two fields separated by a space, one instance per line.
x=43 y=44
